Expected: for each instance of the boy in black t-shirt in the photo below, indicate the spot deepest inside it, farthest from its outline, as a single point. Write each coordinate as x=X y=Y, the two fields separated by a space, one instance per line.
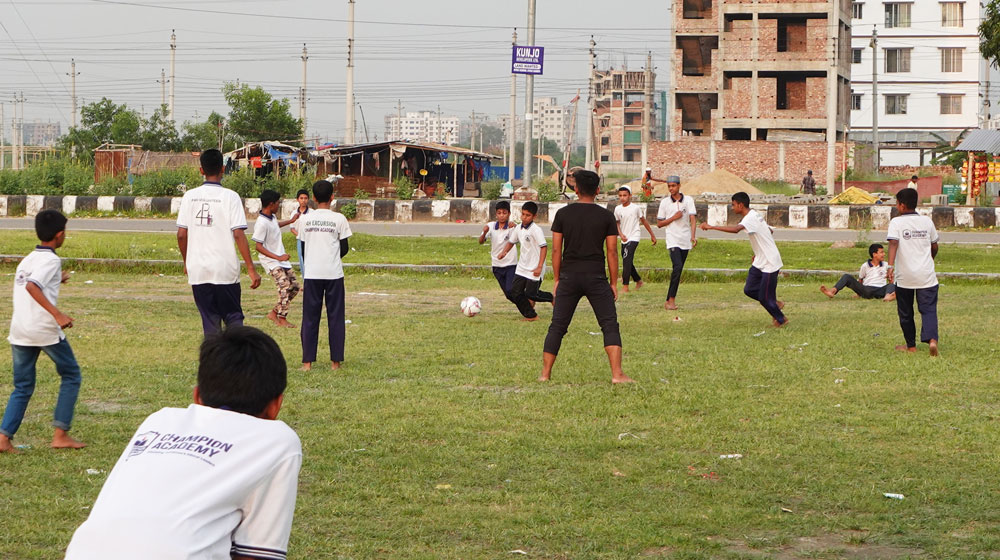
x=580 y=234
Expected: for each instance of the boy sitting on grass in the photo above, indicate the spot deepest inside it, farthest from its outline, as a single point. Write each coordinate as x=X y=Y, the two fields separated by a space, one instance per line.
x=36 y=326
x=274 y=259
x=872 y=278
x=217 y=479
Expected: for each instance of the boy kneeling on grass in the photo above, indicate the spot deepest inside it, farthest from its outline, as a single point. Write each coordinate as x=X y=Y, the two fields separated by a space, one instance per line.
x=217 y=479
x=872 y=278
x=36 y=326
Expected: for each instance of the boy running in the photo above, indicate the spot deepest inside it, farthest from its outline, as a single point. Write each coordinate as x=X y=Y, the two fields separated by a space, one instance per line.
x=36 y=326
x=677 y=213
x=498 y=233
x=872 y=278
x=324 y=235
x=762 y=280
x=913 y=245
x=628 y=217
x=274 y=259
x=526 y=288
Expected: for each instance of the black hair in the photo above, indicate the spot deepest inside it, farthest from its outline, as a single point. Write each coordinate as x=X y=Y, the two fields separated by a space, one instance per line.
x=503 y=205
x=873 y=248
x=914 y=178
x=211 y=162
x=742 y=197
x=267 y=197
x=322 y=190
x=241 y=369
x=587 y=182
x=530 y=207
x=908 y=197
x=48 y=224
x=302 y=192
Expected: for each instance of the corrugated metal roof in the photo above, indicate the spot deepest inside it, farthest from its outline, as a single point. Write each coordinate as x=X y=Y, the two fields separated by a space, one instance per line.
x=981 y=141
x=432 y=146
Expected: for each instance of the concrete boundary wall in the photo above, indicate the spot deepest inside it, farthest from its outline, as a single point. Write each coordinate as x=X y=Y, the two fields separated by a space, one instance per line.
x=796 y=216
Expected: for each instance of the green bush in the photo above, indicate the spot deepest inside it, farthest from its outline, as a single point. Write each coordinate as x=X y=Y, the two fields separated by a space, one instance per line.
x=349 y=210
x=548 y=190
x=404 y=188
x=54 y=176
x=360 y=194
x=112 y=186
x=166 y=182
x=10 y=182
x=490 y=190
x=248 y=185
x=243 y=182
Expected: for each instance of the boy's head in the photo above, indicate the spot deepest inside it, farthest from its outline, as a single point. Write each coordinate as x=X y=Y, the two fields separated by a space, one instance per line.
x=241 y=369
x=876 y=249
x=269 y=200
x=302 y=196
x=624 y=195
x=528 y=212
x=323 y=191
x=741 y=201
x=50 y=226
x=907 y=199
x=914 y=178
x=211 y=163
x=503 y=211
x=674 y=185
x=586 y=182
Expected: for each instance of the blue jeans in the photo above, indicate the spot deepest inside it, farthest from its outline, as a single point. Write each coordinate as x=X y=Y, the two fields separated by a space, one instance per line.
x=25 y=358
x=302 y=258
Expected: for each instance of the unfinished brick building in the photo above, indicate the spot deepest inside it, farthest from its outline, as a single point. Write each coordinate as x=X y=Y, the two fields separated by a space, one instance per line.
x=621 y=97
x=760 y=69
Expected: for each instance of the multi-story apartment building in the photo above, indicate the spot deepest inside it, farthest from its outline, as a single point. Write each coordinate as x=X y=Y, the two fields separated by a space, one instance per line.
x=932 y=82
x=551 y=120
x=620 y=100
x=39 y=133
x=428 y=126
x=503 y=121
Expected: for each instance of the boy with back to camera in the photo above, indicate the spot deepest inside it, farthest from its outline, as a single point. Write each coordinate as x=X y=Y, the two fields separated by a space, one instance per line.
x=36 y=326
x=498 y=232
x=526 y=288
x=217 y=479
x=872 y=276
x=913 y=246
x=274 y=259
x=629 y=217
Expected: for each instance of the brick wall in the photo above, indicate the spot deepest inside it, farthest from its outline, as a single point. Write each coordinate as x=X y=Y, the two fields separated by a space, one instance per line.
x=690 y=158
x=737 y=98
x=816 y=96
x=926 y=186
x=738 y=41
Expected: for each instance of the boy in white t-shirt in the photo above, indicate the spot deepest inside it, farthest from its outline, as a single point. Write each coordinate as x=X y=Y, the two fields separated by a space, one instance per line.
x=274 y=259
x=678 y=214
x=36 y=326
x=211 y=218
x=324 y=235
x=526 y=289
x=872 y=278
x=498 y=232
x=302 y=197
x=217 y=479
x=762 y=279
x=629 y=217
x=913 y=246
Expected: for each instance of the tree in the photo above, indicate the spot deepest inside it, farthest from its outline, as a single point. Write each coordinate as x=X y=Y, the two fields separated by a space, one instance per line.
x=989 y=34
x=100 y=122
x=202 y=136
x=159 y=134
x=254 y=115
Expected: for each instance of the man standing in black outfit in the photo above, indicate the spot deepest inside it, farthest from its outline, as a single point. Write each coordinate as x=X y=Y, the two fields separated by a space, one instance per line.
x=580 y=234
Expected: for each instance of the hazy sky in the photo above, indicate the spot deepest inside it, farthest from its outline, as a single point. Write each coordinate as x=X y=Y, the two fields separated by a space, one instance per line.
x=455 y=53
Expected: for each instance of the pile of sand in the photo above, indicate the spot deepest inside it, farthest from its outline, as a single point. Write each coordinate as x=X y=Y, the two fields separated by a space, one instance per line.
x=719 y=181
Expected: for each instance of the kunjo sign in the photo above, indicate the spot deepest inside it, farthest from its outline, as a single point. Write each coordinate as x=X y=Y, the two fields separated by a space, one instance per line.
x=527 y=60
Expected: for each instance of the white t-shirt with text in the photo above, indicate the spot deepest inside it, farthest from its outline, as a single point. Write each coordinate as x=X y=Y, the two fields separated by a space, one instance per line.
x=267 y=233
x=321 y=231
x=531 y=240
x=629 y=219
x=678 y=232
x=766 y=257
x=914 y=264
x=196 y=483
x=210 y=213
x=30 y=323
x=498 y=241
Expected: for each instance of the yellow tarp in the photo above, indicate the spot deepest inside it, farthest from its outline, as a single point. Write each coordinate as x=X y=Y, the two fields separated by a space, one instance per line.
x=853 y=195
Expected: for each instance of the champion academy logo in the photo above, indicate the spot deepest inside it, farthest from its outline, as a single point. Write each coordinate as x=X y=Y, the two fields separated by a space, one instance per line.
x=141 y=443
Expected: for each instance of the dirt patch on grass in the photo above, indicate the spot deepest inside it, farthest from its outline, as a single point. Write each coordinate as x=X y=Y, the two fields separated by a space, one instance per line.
x=103 y=407
x=852 y=547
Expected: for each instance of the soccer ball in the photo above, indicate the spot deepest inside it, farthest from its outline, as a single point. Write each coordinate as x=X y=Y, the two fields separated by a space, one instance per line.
x=471 y=306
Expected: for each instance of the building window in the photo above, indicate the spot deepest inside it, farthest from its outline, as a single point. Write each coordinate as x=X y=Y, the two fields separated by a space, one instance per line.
x=857 y=10
x=951 y=104
x=897 y=14
x=897 y=60
x=951 y=14
x=951 y=59
x=856 y=56
x=855 y=101
x=895 y=104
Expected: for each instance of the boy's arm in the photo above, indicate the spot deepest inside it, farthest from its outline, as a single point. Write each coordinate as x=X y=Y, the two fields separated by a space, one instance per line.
x=728 y=229
x=934 y=250
x=263 y=251
x=677 y=215
x=182 y=245
x=611 y=244
x=241 y=242
x=541 y=260
x=652 y=236
x=267 y=513
x=345 y=247
x=891 y=274
x=292 y=220
x=694 y=240
x=62 y=319
x=618 y=224
x=506 y=250
x=482 y=236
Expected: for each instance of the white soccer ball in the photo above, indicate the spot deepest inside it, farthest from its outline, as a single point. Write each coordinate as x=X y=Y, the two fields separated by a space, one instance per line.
x=471 y=306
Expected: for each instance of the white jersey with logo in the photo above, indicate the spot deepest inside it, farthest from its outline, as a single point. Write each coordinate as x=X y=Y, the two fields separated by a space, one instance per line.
x=531 y=240
x=874 y=276
x=196 y=483
x=914 y=263
x=629 y=218
x=498 y=237
x=30 y=323
x=210 y=213
x=321 y=231
x=766 y=257
x=267 y=233
x=678 y=232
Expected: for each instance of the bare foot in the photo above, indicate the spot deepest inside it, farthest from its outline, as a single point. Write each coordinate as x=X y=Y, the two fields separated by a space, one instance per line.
x=778 y=325
x=828 y=292
x=670 y=306
x=306 y=366
x=7 y=447
x=639 y=284
x=934 y=348
x=621 y=379
x=61 y=440
x=535 y=318
x=890 y=297
x=904 y=348
x=334 y=365
x=273 y=317
x=624 y=288
x=544 y=377
x=781 y=304
x=282 y=322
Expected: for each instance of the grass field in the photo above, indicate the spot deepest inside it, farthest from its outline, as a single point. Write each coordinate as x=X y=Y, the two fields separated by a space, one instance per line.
x=436 y=441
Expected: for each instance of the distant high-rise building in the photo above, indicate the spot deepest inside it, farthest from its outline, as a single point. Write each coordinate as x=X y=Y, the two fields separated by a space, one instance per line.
x=551 y=120
x=423 y=126
x=620 y=101
x=39 y=133
x=503 y=122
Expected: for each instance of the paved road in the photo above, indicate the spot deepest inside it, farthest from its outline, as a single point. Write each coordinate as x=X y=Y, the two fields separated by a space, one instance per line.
x=460 y=230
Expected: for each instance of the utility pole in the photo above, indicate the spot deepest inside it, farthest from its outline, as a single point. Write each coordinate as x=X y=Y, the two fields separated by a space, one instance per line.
x=832 y=107
x=874 y=46
x=440 y=129
x=589 y=151
x=349 y=102
x=472 y=133
x=72 y=76
x=529 y=99
x=302 y=94
x=647 y=107
x=19 y=133
x=163 y=87
x=3 y=151
x=512 y=125
x=173 y=72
